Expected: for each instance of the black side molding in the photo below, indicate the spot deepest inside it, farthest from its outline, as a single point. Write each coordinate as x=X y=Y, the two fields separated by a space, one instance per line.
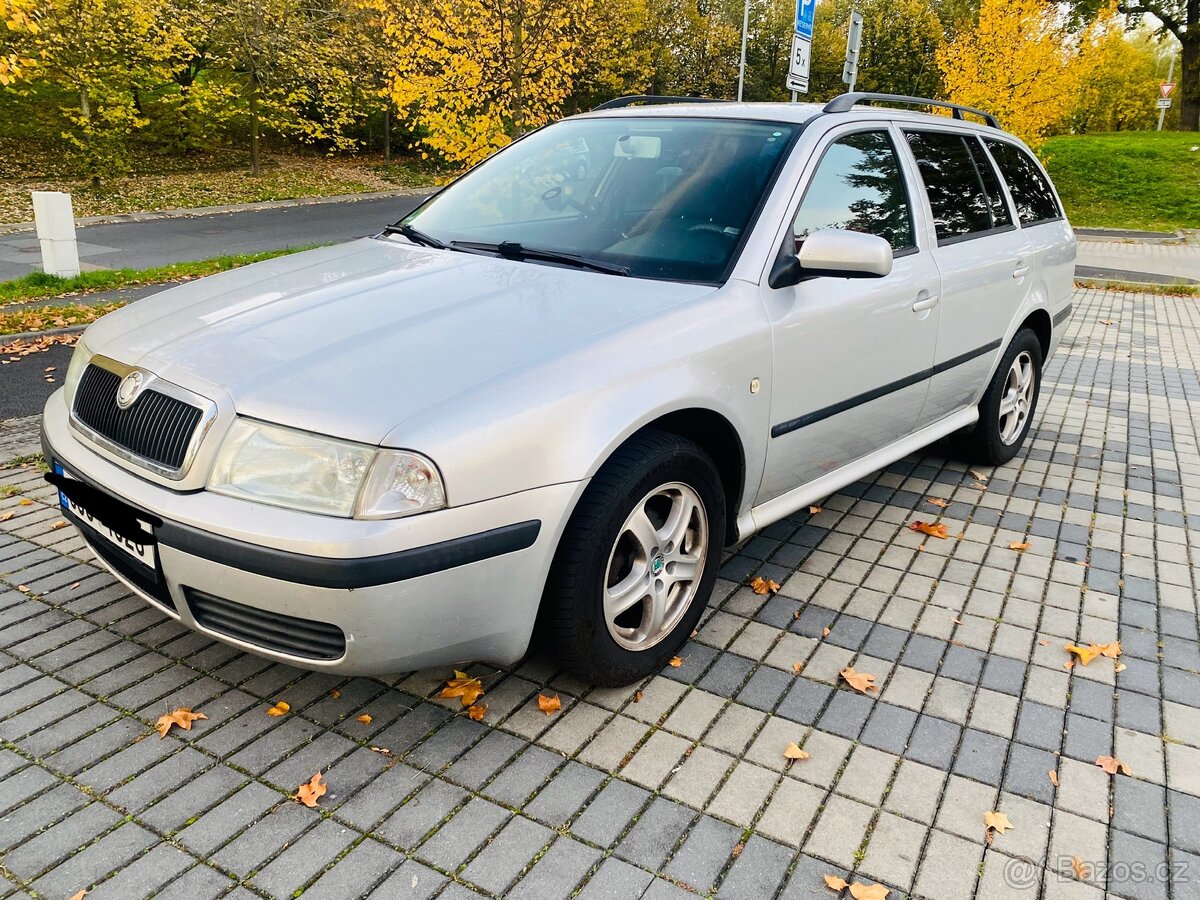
x=346 y=574
x=1062 y=315
x=882 y=391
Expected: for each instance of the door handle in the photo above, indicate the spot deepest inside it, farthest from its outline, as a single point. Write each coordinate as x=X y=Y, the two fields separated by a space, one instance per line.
x=928 y=301
x=1021 y=271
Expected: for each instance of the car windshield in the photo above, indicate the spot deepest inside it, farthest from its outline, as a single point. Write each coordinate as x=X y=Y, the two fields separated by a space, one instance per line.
x=666 y=198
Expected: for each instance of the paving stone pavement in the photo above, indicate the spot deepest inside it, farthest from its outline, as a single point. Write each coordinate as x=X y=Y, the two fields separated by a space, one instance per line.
x=679 y=785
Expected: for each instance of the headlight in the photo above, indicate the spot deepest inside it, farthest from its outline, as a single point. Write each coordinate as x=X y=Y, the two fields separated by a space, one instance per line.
x=79 y=361
x=305 y=471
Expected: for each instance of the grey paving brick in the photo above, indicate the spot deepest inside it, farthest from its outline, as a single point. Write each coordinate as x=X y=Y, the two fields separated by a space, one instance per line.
x=200 y=882
x=412 y=821
x=557 y=873
x=758 y=870
x=846 y=714
x=981 y=756
x=524 y=775
x=1130 y=855
x=705 y=851
x=304 y=858
x=659 y=828
x=265 y=837
x=615 y=880
x=55 y=844
x=161 y=866
x=450 y=845
x=894 y=851
x=804 y=701
x=355 y=874
x=507 y=855
x=888 y=727
x=42 y=811
x=949 y=868
x=1184 y=812
x=839 y=831
x=559 y=800
x=1039 y=726
x=113 y=851
x=412 y=881
x=1026 y=773
x=227 y=818
x=933 y=741
x=608 y=814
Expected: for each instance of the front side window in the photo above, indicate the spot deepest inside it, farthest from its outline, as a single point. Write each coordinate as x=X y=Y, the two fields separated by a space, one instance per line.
x=667 y=198
x=1030 y=191
x=962 y=205
x=858 y=187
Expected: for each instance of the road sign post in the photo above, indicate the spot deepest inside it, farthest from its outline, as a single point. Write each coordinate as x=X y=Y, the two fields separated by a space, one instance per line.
x=853 y=44
x=1164 y=101
x=801 y=60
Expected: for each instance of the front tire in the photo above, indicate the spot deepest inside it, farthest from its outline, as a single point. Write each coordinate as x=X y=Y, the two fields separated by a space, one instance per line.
x=637 y=561
x=1008 y=406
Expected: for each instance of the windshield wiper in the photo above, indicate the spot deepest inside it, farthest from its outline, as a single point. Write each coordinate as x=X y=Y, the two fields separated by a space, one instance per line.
x=417 y=237
x=516 y=250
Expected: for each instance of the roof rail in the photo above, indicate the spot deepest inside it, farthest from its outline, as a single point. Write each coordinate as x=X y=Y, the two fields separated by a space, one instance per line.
x=650 y=100
x=846 y=102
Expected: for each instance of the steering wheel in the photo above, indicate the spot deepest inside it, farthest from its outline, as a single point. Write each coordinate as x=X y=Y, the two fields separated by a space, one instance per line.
x=556 y=198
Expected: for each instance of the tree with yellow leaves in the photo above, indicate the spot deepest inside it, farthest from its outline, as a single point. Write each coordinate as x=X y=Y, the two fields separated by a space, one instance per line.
x=17 y=18
x=474 y=74
x=1116 y=77
x=1016 y=64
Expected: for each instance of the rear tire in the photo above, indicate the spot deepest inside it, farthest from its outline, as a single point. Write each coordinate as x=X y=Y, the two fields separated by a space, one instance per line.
x=637 y=561
x=1008 y=406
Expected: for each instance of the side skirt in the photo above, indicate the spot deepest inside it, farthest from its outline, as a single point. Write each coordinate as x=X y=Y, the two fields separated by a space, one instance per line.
x=759 y=517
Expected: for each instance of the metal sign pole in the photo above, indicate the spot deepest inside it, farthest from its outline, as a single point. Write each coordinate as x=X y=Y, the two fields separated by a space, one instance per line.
x=1162 y=110
x=742 y=67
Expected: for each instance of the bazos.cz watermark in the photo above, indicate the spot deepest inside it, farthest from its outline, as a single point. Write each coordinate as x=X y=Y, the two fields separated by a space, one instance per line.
x=1024 y=873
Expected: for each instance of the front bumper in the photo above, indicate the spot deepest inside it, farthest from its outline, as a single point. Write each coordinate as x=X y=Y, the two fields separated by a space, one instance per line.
x=350 y=596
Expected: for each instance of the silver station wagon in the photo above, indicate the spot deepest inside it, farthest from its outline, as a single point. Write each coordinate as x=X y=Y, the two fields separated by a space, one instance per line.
x=546 y=400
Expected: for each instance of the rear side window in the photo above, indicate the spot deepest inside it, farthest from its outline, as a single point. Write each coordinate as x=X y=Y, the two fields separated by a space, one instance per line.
x=858 y=187
x=1030 y=191
x=958 y=187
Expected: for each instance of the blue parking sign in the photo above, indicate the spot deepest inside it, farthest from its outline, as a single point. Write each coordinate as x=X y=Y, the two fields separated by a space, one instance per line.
x=805 y=11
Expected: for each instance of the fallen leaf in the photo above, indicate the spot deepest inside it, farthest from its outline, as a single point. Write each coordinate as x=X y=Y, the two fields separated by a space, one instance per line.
x=956 y=620
x=836 y=882
x=78 y=895
x=1085 y=654
x=59 y=524
x=920 y=548
x=365 y=718
x=997 y=821
x=549 y=705
x=1112 y=651
x=860 y=681
x=978 y=476
x=1111 y=764
x=675 y=662
x=1120 y=667
x=1053 y=777
x=868 y=892
x=23 y=588
x=183 y=717
x=465 y=687
x=737 y=849
x=384 y=750
x=1044 y=643
x=1020 y=546
x=797 y=667
x=637 y=696
x=7 y=516
x=762 y=585
x=335 y=694
x=979 y=486
x=815 y=510
x=937 y=501
x=1069 y=665
x=477 y=712
x=1082 y=869
x=282 y=708
x=311 y=792
x=793 y=751
x=1106 y=321
x=49 y=368
x=824 y=632
x=938 y=531
x=24 y=501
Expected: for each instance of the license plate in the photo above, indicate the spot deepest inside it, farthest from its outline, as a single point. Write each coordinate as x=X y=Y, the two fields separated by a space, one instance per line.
x=142 y=552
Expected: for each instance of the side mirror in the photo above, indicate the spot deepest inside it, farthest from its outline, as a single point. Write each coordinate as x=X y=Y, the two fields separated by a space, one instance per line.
x=834 y=253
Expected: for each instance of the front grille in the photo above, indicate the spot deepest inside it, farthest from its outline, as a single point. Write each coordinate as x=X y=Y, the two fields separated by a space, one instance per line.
x=271 y=631
x=155 y=427
x=145 y=579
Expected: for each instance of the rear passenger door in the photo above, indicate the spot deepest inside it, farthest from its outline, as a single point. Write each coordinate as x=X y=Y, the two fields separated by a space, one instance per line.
x=983 y=260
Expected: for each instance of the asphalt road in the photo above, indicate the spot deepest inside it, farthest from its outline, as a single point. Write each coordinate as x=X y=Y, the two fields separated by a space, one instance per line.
x=156 y=242
x=23 y=386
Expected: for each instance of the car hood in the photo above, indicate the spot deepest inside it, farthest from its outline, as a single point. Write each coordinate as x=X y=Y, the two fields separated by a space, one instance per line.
x=354 y=339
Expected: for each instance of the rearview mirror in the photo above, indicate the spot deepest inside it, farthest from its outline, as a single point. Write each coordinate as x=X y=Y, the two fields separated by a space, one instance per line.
x=834 y=253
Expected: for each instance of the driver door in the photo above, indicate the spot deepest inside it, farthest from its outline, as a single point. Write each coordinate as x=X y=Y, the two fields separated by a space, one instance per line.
x=851 y=356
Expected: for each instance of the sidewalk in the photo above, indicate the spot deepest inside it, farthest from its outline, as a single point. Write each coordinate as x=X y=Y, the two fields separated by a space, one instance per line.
x=1126 y=259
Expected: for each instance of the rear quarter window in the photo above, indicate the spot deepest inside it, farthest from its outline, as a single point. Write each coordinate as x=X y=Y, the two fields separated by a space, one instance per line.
x=965 y=200
x=1031 y=192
